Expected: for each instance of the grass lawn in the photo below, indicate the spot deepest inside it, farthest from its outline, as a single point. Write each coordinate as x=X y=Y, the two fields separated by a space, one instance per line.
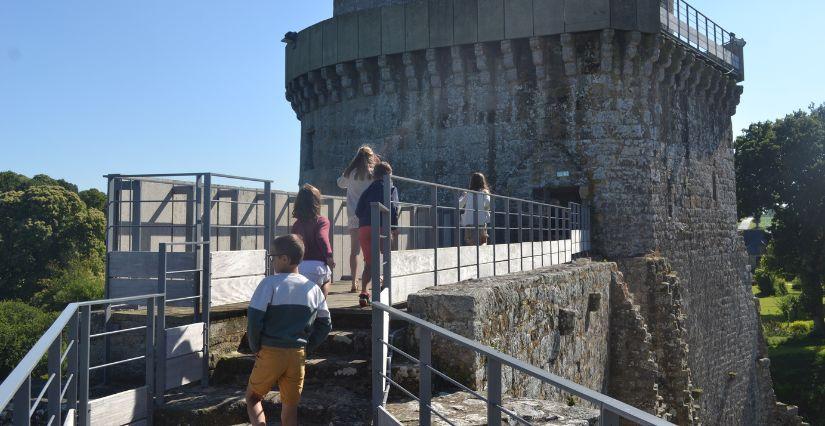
x=797 y=363
x=764 y=221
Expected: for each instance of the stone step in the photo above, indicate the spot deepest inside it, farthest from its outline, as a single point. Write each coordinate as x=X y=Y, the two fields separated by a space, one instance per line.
x=347 y=342
x=225 y=405
x=351 y=372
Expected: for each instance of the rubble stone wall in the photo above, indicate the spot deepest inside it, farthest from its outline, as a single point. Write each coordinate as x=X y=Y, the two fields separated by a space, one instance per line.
x=555 y=318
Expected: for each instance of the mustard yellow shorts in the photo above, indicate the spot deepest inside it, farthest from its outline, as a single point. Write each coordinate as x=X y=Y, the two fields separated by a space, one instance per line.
x=284 y=366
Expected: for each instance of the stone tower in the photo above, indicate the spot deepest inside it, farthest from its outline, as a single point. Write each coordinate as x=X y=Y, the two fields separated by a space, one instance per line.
x=615 y=101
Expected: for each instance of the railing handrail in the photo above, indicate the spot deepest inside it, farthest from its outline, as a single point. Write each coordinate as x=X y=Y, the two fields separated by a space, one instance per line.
x=155 y=175
x=24 y=368
x=492 y=195
x=606 y=402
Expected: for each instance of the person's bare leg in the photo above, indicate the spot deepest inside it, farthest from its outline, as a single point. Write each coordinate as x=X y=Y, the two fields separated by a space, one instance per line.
x=254 y=409
x=366 y=277
x=325 y=288
x=355 y=248
x=289 y=415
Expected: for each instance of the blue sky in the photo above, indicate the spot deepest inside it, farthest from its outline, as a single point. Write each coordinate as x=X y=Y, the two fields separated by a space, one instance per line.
x=100 y=86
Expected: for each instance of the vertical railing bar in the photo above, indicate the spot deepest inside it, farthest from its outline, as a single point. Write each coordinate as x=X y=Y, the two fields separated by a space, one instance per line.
x=492 y=234
x=425 y=376
x=267 y=219
x=150 y=357
x=377 y=315
x=198 y=248
x=55 y=386
x=375 y=267
x=434 y=219
x=160 y=329
x=387 y=247
x=22 y=403
x=541 y=233
x=71 y=365
x=206 y=282
x=83 y=366
x=477 y=214
x=493 y=391
x=507 y=235
x=458 y=239
x=520 y=236
x=532 y=237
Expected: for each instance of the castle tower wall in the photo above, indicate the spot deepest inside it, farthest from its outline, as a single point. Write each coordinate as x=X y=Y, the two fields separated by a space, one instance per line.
x=601 y=101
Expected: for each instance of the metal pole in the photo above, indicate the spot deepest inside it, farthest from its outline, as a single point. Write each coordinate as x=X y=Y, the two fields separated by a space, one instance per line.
x=375 y=266
x=609 y=418
x=532 y=238
x=112 y=244
x=434 y=219
x=206 y=291
x=493 y=392
x=71 y=365
x=387 y=248
x=160 y=330
x=492 y=233
x=458 y=239
x=150 y=359
x=477 y=220
x=541 y=233
x=424 y=376
x=198 y=248
x=378 y=361
x=55 y=386
x=135 y=212
x=22 y=403
x=520 y=236
x=507 y=234
x=83 y=377
x=268 y=219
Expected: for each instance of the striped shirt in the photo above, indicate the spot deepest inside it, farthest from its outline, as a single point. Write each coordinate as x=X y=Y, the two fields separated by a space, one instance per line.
x=287 y=311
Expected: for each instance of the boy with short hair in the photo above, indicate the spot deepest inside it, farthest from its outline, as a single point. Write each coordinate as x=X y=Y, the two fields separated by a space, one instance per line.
x=288 y=317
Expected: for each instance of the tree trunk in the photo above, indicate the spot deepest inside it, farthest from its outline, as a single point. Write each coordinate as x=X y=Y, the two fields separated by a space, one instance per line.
x=812 y=301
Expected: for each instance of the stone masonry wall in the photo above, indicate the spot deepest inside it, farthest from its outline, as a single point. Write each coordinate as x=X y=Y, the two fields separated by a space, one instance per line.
x=656 y=291
x=642 y=125
x=554 y=318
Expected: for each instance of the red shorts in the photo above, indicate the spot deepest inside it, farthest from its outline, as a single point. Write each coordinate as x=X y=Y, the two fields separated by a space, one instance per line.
x=365 y=239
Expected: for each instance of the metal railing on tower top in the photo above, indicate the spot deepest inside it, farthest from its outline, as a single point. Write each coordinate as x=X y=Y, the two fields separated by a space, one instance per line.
x=682 y=22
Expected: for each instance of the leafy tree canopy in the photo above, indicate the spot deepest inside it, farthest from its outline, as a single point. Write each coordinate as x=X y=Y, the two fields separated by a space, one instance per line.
x=781 y=166
x=43 y=229
x=94 y=199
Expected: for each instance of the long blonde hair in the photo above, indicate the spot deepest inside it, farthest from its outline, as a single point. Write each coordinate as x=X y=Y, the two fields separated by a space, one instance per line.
x=362 y=163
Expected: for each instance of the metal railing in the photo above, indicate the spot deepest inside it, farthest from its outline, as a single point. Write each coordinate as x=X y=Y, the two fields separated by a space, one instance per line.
x=612 y=410
x=66 y=344
x=525 y=221
x=694 y=29
x=505 y=234
x=201 y=313
x=199 y=204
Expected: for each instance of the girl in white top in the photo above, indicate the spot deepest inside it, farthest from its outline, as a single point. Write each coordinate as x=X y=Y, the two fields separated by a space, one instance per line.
x=467 y=201
x=355 y=179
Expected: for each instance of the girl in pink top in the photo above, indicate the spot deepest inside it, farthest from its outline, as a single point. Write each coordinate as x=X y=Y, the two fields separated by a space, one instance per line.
x=314 y=231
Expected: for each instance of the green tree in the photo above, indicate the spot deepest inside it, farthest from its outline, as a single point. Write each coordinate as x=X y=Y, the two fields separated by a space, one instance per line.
x=755 y=152
x=46 y=180
x=10 y=181
x=76 y=283
x=20 y=327
x=43 y=229
x=785 y=162
x=94 y=199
